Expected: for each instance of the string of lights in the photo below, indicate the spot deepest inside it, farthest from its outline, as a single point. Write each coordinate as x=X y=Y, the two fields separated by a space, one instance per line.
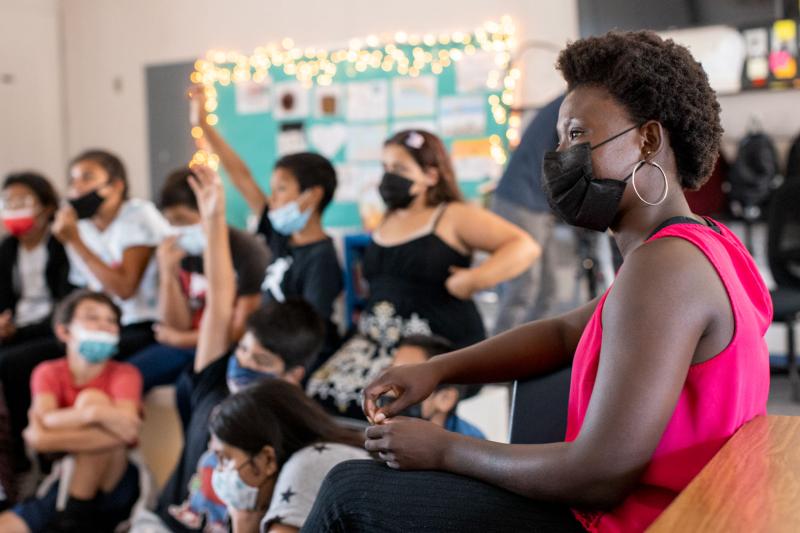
x=402 y=53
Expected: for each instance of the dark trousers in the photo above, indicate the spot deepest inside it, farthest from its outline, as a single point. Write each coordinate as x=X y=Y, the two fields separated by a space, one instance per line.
x=367 y=496
x=34 y=346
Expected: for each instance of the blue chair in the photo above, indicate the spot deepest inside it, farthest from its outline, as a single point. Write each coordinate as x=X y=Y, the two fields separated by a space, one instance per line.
x=355 y=297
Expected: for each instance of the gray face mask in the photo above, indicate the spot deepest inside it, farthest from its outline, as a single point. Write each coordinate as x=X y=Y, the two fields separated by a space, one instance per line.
x=575 y=194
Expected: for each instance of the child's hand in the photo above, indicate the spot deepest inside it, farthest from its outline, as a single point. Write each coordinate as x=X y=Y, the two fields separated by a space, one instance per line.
x=461 y=283
x=125 y=426
x=7 y=327
x=65 y=225
x=197 y=106
x=169 y=336
x=208 y=189
x=169 y=254
x=408 y=443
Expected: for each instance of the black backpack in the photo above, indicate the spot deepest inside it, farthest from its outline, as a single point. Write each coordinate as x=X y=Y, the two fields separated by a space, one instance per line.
x=753 y=176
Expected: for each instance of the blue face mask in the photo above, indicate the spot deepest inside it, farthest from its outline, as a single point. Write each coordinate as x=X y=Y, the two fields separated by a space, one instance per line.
x=95 y=346
x=239 y=377
x=192 y=239
x=289 y=219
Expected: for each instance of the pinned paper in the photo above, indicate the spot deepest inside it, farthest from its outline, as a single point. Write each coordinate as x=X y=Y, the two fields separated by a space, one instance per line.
x=328 y=139
x=365 y=143
x=253 y=97
x=783 y=57
x=291 y=101
x=413 y=97
x=461 y=116
x=356 y=179
x=291 y=139
x=473 y=72
x=367 y=100
x=328 y=101
x=473 y=161
x=424 y=125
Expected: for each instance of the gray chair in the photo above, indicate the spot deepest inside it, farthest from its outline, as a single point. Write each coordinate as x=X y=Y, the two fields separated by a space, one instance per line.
x=783 y=251
x=539 y=408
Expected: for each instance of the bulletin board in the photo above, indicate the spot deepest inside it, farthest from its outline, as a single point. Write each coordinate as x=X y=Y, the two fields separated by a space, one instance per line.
x=344 y=103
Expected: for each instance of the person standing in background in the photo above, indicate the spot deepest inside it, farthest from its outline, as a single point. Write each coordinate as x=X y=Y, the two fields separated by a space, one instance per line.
x=519 y=198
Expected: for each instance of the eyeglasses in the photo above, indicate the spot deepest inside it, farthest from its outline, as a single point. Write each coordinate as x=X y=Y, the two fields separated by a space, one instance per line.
x=17 y=202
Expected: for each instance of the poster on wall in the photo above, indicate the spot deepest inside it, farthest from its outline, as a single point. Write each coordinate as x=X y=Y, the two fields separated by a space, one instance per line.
x=414 y=97
x=291 y=139
x=473 y=161
x=356 y=179
x=472 y=72
x=756 y=49
x=367 y=100
x=253 y=97
x=771 y=56
x=327 y=139
x=423 y=124
x=291 y=101
x=462 y=116
x=329 y=101
x=783 y=50
x=365 y=143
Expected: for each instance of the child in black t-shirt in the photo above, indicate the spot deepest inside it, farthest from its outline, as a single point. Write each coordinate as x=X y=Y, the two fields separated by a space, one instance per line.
x=304 y=261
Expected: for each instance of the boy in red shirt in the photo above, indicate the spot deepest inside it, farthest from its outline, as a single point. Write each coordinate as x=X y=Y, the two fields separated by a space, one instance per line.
x=86 y=406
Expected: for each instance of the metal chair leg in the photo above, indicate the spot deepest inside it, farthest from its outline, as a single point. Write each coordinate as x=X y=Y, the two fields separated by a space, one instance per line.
x=794 y=375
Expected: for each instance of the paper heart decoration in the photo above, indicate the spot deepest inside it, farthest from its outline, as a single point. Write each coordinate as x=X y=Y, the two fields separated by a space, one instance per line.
x=328 y=139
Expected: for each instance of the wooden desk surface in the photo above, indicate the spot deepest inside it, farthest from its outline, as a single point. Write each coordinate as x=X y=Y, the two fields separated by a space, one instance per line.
x=752 y=484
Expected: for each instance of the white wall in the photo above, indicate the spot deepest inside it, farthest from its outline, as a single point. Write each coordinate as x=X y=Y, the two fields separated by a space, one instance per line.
x=778 y=113
x=109 y=43
x=31 y=110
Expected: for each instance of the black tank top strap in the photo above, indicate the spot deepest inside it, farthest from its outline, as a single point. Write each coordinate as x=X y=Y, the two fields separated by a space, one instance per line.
x=437 y=216
x=684 y=220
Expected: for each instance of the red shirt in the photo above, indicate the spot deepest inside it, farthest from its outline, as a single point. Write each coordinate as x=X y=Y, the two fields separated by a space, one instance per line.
x=120 y=381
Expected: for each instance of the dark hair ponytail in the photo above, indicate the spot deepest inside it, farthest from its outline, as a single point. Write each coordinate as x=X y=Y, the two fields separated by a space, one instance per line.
x=278 y=414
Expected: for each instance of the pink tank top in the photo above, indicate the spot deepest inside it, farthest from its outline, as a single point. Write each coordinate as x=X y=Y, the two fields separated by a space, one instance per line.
x=718 y=397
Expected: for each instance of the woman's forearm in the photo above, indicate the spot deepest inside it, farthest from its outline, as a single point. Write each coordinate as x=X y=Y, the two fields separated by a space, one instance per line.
x=528 y=350
x=507 y=262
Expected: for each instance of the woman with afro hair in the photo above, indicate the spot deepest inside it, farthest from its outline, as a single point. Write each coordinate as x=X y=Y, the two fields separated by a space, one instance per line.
x=666 y=365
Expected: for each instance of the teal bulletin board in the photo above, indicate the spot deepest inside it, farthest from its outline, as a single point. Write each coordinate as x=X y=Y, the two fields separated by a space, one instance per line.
x=460 y=90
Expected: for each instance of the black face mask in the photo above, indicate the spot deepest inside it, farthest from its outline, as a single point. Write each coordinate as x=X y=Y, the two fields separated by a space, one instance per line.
x=87 y=205
x=396 y=191
x=575 y=194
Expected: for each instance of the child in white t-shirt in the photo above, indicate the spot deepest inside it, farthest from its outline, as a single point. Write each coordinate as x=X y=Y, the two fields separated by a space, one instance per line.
x=111 y=240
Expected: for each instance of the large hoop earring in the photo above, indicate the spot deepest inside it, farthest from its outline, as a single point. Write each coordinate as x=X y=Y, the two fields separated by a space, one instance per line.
x=636 y=167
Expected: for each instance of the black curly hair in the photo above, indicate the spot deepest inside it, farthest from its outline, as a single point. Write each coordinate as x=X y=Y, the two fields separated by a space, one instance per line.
x=653 y=79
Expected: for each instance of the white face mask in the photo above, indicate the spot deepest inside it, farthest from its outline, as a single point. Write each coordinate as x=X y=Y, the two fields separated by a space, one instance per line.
x=234 y=492
x=191 y=239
